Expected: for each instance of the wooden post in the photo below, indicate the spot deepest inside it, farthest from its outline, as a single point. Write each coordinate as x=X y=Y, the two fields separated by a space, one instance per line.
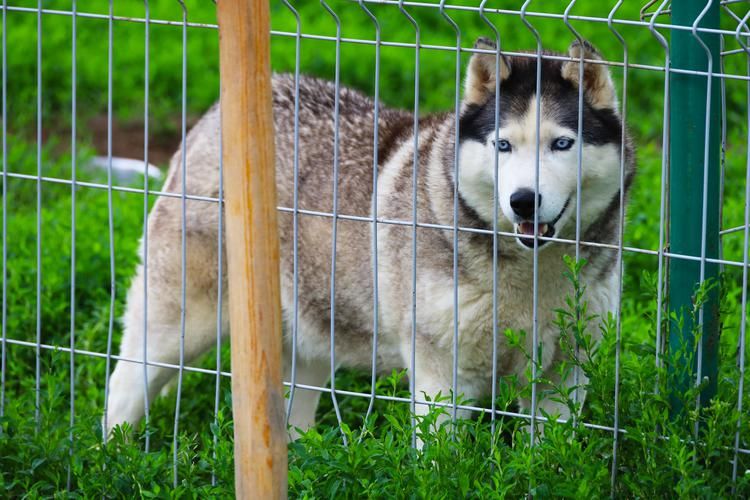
x=252 y=249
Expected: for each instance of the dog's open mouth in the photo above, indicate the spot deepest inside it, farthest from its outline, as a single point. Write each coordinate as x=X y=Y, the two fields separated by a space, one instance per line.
x=525 y=232
x=525 y=229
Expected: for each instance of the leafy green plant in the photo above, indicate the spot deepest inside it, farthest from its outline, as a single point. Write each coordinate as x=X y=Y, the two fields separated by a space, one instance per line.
x=483 y=457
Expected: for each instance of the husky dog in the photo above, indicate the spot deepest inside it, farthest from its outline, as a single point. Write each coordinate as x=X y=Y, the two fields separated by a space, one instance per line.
x=516 y=146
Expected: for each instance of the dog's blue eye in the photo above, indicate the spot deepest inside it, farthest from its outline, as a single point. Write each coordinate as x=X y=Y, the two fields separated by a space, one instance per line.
x=562 y=144
x=502 y=146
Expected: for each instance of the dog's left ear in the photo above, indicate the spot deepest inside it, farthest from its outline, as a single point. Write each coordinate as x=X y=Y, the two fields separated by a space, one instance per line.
x=597 y=82
x=483 y=71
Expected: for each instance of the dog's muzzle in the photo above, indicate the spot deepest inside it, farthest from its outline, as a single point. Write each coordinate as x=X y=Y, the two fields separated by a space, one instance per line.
x=526 y=233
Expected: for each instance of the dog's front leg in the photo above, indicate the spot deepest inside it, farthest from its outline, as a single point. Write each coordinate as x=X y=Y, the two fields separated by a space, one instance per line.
x=308 y=372
x=432 y=377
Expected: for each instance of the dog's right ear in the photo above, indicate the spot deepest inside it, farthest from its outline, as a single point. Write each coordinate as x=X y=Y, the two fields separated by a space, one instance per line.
x=481 y=77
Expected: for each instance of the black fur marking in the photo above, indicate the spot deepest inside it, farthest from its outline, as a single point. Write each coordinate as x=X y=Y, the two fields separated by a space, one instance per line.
x=393 y=130
x=484 y=41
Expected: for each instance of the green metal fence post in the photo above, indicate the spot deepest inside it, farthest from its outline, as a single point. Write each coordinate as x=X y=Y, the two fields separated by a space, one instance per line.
x=689 y=138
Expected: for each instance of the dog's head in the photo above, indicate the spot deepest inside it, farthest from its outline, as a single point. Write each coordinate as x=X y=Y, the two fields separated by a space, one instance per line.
x=539 y=127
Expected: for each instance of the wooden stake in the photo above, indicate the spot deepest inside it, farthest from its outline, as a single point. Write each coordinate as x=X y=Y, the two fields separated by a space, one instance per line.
x=260 y=448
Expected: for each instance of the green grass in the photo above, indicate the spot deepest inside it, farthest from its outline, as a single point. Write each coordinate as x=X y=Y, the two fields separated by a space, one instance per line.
x=656 y=457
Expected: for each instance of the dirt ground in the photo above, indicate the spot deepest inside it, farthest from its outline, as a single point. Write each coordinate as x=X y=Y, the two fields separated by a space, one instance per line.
x=127 y=140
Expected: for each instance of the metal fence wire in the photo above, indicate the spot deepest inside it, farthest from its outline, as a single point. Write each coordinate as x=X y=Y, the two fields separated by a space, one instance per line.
x=682 y=80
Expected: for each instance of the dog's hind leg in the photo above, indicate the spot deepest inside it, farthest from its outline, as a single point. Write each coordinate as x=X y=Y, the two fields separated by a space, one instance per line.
x=162 y=339
x=156 y=324
x=131 y=383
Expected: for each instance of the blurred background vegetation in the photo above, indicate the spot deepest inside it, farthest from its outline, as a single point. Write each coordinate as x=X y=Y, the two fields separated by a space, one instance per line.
x=37 y=461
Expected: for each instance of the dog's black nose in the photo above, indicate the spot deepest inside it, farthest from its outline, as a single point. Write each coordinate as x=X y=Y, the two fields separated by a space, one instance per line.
x=522 y=203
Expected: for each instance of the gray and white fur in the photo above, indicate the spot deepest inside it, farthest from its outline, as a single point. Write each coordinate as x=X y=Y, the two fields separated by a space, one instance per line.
x=516 y=150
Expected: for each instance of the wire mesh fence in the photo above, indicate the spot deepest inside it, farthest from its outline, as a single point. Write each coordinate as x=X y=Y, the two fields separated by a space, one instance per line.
x=389 y=262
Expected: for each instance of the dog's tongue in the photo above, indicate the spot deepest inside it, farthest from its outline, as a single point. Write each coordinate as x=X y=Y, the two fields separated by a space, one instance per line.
x=528 y=228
